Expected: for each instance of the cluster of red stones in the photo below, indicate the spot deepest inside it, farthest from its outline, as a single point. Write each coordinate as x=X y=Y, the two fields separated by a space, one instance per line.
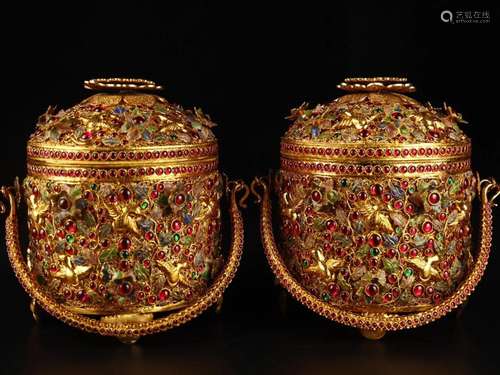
x=122 y=173
x=391 y=152
x=360 y=169
x=116 y=155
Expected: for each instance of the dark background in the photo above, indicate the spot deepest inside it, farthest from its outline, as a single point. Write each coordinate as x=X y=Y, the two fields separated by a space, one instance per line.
x=247 y=65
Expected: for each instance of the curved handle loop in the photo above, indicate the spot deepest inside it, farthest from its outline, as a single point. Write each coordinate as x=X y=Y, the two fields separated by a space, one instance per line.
x=376 y=321
x=124 y=329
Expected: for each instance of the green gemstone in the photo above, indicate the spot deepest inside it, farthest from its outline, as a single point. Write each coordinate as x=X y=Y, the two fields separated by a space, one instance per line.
x=408 y=272
x=399 y=230
x=176 y=237
x=325 y=297
x=450 y=180
x=343 y=182
x=305 y=263
x=94 y=186
x=144 y=205
x=374 y=251
x=411 y=190
x=70 y=238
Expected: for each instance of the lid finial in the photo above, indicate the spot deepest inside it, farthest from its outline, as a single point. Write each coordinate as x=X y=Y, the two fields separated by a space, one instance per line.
x=372 y=84
x=136 y=84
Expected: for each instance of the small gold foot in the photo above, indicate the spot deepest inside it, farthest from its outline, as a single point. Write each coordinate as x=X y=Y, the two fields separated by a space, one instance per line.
x=218 y=306
x=369 y=334
x=128 y=340
x=34 y=311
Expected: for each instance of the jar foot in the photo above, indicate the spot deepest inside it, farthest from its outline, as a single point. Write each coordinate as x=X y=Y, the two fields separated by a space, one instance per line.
x=218 y=305
x=370 y=334
x=128 y=340
x=34 y=311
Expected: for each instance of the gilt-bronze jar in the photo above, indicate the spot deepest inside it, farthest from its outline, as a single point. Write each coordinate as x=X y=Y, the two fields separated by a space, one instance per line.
x=375 y=193
x=123 y=193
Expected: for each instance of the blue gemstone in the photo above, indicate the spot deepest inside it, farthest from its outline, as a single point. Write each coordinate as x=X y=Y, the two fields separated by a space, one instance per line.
x=187 y=218
x=314 y=131
x=119 y=109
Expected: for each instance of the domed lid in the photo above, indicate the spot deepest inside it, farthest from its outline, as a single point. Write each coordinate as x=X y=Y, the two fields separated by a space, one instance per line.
x=375 y=122
x=376 y=111
x=126 y=125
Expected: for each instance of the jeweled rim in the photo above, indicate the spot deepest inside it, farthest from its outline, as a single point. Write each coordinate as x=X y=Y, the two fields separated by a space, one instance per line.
x=379 y=152
x=372 y=169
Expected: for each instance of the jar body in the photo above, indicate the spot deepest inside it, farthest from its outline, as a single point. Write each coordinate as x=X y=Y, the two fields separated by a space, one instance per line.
x=116 y=246
x=377 y=242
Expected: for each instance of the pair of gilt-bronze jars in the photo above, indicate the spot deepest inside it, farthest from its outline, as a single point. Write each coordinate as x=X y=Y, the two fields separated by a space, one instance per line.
x=123 y=192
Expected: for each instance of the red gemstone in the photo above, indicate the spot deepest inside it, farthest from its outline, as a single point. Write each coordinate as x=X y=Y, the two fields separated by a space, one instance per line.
x=63 y=203
x=387 y=297
x=331 y=225
x=387 y=197
x=146 y=263
x=398 y=204
x=427 y=227
x=374 y=240
x=176 y=225
x=149 y=236
x=436 y=298
x=87 y=135
x=433 y=198
x=126 y=194
x=179 y=199
x=163 y=295
x=391 y=253
x=403 y=248
x=125 y=288
x=125 y=243
x=355 y=215
x=113 y=198
x=442 y=216
x=316 y=196
x=371 y=290
x=392 y=278
x=71 y=226
x=364 y=133
x=376 y=189
x=154 y=194
x=410 y=209
x=334 y=290
x=418 y=290
x=413 y=253
x=362 y=196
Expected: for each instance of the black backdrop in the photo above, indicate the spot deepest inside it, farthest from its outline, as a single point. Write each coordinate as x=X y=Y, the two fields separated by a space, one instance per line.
x=247 y=65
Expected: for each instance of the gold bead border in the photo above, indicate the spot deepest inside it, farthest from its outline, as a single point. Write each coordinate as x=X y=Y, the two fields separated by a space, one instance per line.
x=157 y=171
x=371 y=169
x=383 y=152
